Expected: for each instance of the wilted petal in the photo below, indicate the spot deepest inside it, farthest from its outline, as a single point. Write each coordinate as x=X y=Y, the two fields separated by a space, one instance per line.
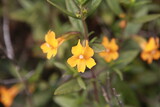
x=81 y=65
x=90 y=63
x=77 y=50
x=72 y=61
x=45 y=47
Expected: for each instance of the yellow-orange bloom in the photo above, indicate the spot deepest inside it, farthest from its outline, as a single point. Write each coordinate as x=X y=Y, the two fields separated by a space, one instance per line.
x=150 y=50
x=7 y=95
x=82 y=57
x=51 y=45
x=110 y=53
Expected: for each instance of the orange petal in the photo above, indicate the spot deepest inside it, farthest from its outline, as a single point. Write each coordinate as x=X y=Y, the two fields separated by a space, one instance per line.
x=50 y=39
x=90 y=63
x=105 y=42
x=45 y=47
x=51 y=53
x=115 y=55
x=151 y=45
x=113 y=45
x=103 y=54
x=108 y=58
x=81 y=65
x=156 y=56
x=72 y=61
x=77 y=50
x=146 y=56
x=88 y=52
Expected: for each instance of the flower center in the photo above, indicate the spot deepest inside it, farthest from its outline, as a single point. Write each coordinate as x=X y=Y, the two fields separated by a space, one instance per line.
x=153 y=52
x=107 y=50
x=81 y=57
x=48 y=45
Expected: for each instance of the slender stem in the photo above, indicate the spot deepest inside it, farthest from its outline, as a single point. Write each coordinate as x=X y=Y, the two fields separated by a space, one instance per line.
x=6 y=34
x=95 y=87
x=116 y=95
x=85 y=29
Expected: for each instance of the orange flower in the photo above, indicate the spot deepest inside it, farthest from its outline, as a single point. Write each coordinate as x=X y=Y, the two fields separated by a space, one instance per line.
x=7 y=95
x=110 y=53
x=122 y=24
x=51 y=45
x=150 y=50
x=82 y=57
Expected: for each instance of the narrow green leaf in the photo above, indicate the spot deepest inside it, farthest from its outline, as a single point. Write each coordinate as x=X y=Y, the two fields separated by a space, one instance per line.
x=68 y=87
x=62 y=9
x=119 y=73
x=81 y=2
x=93 y=6
x=98 y=47
x=114 y=6
x=77 y=24
x=146 y=18
x=81 y=83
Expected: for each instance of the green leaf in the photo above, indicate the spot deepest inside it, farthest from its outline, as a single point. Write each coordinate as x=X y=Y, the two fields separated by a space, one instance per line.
x=62 y=9
x=37 y=72
x=119 y=73
x=81 y=83
x=147 y=18
x=81 y=2
x=60 y=66
x=131 y=29
x=76 y=23
x=114 y=6
x=125 y=58
x=68 y=87
x=98 y=47
x=93 y=6
x=65 y=101
x=143 y=2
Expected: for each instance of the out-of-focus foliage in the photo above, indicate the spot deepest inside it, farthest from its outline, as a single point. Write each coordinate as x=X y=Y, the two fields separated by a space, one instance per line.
x=53 y=83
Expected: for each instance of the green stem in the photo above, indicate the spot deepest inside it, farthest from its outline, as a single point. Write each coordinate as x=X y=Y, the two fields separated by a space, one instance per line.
x=85 y=29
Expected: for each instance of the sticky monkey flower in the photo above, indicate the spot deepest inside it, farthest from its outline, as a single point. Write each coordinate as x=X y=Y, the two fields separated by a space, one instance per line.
x=150 y=50
x=82 y=57
x=110 y=53
x=51 y=45
x=7 y=95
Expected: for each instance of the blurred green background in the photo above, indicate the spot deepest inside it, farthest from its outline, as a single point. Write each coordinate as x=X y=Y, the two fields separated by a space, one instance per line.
x=136 y=81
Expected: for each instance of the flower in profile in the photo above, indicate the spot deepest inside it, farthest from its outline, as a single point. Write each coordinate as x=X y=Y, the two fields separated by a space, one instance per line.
x=82 y=57
x=51 y=45
x=7 y=95
x=110 y=53
x=150 y=50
